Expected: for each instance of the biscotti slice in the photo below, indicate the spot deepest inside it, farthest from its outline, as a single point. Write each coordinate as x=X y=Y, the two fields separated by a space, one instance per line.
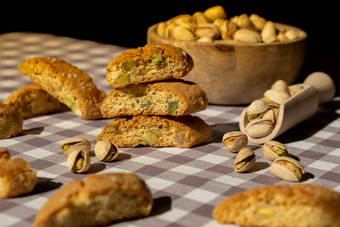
x=67 y=83
x=16 y=177
x=31 y=100
x=173 y=97
x=156 y=131
x=98 y=201
x=149 y=63
x=11 y=121
x=299 y=205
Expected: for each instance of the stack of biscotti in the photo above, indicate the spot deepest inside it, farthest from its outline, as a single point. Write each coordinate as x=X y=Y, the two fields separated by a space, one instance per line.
x=153 y=103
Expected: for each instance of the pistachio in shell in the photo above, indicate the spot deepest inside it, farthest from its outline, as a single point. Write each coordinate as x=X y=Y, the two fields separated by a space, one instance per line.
x=259 y=128
x=106 y=151
x=276 y=97
x=280 y=85
x=79 y=161
x=234 y=140
x=75 y=143
x=271 y=115
x=273 y=150
x=245 y=159
x=256 y=109
x=287 y=169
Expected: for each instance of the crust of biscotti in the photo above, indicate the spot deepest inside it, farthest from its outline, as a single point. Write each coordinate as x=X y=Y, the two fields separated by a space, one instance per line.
x=191 y=98
x=129 y=131
x=16 y=177
x=11 y=121
x=31 y=100
x=290 y=198
x=65 y=81
x=142 y=56
x=80 y=194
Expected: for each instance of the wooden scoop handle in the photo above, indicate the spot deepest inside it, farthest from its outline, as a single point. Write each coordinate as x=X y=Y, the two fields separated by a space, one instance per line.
x=323 y=84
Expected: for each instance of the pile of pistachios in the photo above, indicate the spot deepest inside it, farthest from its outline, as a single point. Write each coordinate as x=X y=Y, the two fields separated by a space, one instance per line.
x=213 y=25
x=283 y=167
x=78 y=150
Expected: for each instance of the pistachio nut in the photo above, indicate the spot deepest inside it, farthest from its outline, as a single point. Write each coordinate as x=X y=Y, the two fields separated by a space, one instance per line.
x=244 y=22
x=271 y=115
x=294 y=89
x=75 y=143
x=273 y=150
x=169 y=31
x=268 y=33
x=78 y=161
x=199 y=18
x=280 y=85
x=179 y=19
x=266 y=212
x=182 y=33
x=245 y=159
x=287 y=169
x=151 y=137
x=276 y=97
x=247 y=36
x=228 y=29
x=161 y=27
x=219 y=23
x=257 y=21
x=259 y=128
x=282 y=37
x=256 y=109
x=207 y=30
x=292 y=35
x=106 y=151
x=215 y=12
x=234 y=140
x=205 y=40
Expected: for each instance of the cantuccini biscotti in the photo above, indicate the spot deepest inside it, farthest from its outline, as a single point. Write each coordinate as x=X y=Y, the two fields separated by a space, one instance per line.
x=98 y=201
x=298 y=205
x=173 y=97
x=149 y=63
x=156 y=131
x=31 y=100
x=16 y=177
x=67 y=83
x=11 y=121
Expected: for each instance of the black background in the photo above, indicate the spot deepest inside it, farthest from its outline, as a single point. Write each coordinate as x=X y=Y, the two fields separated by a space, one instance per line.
x=125 y=22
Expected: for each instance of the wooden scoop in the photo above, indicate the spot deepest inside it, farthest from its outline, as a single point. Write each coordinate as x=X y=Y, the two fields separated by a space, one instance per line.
x=318 y=88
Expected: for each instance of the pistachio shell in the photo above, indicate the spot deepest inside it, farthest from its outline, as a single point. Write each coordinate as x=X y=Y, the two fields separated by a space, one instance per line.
x=106 y=151
x=257 y=21
x=207 y=30
x=287 y=169
x=244 y=22
x=235 y=140
x=276 y=96
x=294 y=89
x=247 y=36
x=228 y=29
x=74 y=157
x=271 y=115
x=85 y=146
x=256 y=109
x=280 y=85
x=259 y=128
x=292 y=35
x=72 y=141
x=268 y=33
x=215 y=12
x=199 y=18
x=182 y=33
x=245 y=159
x=271 y=152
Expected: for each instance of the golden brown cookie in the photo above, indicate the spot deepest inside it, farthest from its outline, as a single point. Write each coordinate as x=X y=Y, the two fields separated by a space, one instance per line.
x=16 y=177
x=31 y=100
x=98 y=201
x=149 y=63
x=156 y=131
x=281 y=205
x=11 y=121
x=173 y=97
x=67 y=83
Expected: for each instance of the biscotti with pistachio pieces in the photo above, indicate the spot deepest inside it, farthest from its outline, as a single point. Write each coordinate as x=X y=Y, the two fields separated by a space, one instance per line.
x=152 y=62
x=281 y=205
x=31 y=100
x=11 y=121
x=98 y=201
x=67 y=83
x=156 y=131
x=172 y=97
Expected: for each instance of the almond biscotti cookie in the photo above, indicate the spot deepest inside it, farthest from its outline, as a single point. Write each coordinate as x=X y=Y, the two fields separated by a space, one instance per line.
x=98 y=201
x=67 y=83
x=11 y=121
x=31 y=100
x=149 y=63
x=173 y=97
x=16 y=177
x=299 y=205
x=156 y=131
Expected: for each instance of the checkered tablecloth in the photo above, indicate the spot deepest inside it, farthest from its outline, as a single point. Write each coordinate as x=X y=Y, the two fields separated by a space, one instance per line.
x=186 y=183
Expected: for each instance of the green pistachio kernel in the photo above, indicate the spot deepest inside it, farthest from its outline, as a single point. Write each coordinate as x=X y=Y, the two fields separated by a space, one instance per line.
x=156 y=58
x=123 y=79
x=79 y=163
x=172 y=107
x=279 y=151
x=266 y=212
x=151 y=137
x=68 y=102
x=252 y=116
x=128 y=65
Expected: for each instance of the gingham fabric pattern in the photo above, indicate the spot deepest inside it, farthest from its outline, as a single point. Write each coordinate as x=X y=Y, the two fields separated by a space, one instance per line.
x=186 y=183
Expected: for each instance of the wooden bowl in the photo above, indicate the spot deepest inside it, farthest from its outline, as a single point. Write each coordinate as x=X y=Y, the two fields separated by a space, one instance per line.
x=237 y=73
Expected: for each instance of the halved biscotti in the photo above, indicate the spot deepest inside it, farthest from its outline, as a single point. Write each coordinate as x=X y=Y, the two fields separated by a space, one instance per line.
x=173 y=97
x=11 y=121
x=149 y=63
x=282 y=205
x=98 y=201
x=31 y=100
x=67 y=83
x=156 y=131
